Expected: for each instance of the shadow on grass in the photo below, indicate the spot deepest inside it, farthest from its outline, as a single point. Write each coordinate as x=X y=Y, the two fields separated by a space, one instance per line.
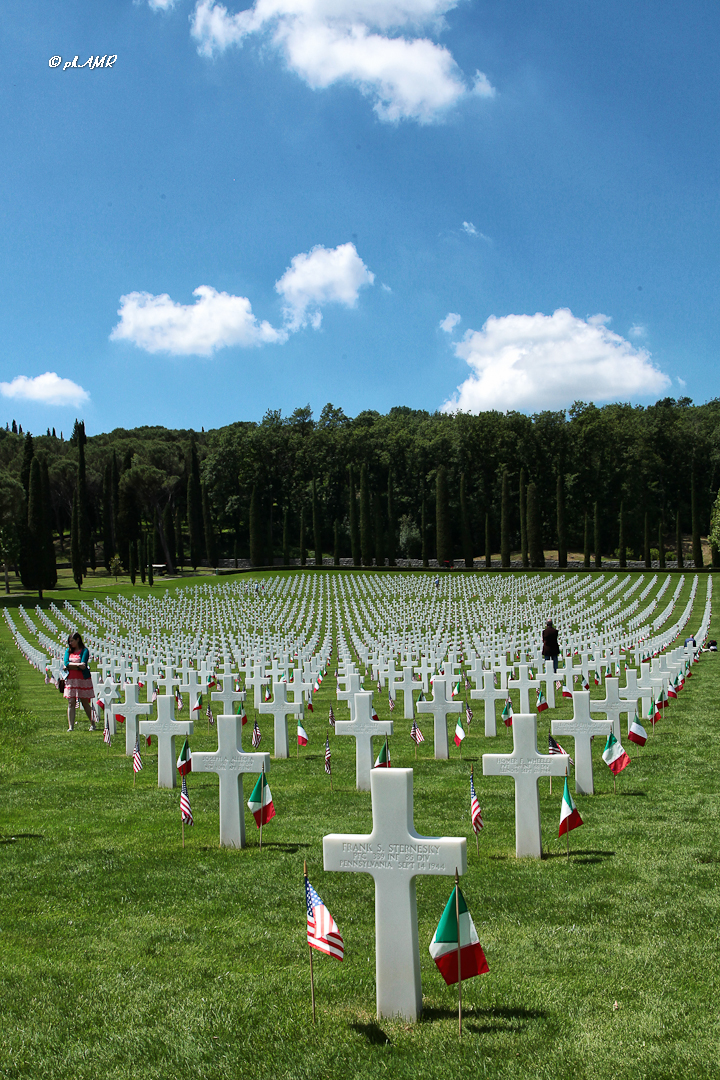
x=21 y=836
x=373 y=1033
x=278 y=846
x=580 y=857
x=496 y=1019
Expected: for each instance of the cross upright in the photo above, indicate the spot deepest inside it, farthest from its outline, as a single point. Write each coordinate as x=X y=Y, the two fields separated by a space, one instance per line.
x=630 y=692
x=489 y=694
x=582 y=728
x=280 y=708
x=363 y=728
x=407 y=685
x=130 y=709
x=548 y=677
x=257 y=680
x=228 y=695
x=107 y=692
x=165 y=728
x=440 y=706
x=613 y=706
x=525 y=765
x=524 y=685
x=424 y=669
x=231 y=763
x=504 y=668
x=394 y=854
x=353 y=686
x=169 y=682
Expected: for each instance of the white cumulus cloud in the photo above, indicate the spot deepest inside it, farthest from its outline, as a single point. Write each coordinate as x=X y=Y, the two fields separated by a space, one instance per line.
x=318 y=277
x=47 y=389
x=355 y=41
x=216 y=320
x=161 y=5
x=450 y=321
x=469 y=228
x=534 y=362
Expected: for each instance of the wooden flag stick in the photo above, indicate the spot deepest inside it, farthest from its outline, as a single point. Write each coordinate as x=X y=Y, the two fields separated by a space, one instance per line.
x=457 y=920
x=312 y=978
x=262 y=799
x=567 y=831
x=183 y=833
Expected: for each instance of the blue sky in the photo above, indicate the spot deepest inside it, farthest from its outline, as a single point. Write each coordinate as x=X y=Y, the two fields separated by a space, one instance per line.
x=382 y=202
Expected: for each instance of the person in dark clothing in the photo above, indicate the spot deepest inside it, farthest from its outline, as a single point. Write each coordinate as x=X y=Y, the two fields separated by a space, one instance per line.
x=550 y=648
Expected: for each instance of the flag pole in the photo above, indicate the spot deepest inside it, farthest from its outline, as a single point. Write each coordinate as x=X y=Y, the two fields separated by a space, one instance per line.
x=183 y=832
x=262 y=797
x=457 y=921
x=477 y=841
x=567 y=831
x=312 y=978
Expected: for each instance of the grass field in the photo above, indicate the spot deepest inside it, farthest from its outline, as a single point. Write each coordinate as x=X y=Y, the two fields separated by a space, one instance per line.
x=124 y=956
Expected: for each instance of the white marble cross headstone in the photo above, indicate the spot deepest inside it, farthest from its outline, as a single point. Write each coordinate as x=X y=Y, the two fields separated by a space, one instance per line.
x=524 y=685
x=230 y=763
x=489 y=694
x=165 y=728
x=130 y=709
x=363 y=728
x=228 y=695
x=525 y=765
x=440 y=706
x=394 y=854
x=280 y=708
x=613 y=706
x=582 y=728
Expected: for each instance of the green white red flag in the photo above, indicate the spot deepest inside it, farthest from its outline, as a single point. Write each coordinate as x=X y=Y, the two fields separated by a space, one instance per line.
x=444 y=945
x=614 y=756
x=541 y=703
x=569 y=813
x=382 y=761
x=261 y=806
x=184 y=762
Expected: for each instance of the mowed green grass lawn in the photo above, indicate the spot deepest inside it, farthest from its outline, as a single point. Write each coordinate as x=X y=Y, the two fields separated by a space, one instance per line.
x=121 y=955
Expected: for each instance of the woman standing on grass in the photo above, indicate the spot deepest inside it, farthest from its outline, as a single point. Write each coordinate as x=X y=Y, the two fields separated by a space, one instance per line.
x=78 y=683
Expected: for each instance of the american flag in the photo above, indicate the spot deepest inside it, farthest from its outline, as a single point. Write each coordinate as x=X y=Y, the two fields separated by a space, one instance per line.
x=256 y=736
x=392 y=704
x=475 y=811
x=331 y=718
x=322 y=932
x=416 y=734
x=137 y=760
x=178 y=700
x=468 y=713
x=379 y=687
x=554 y=747
x=154 y=696
x=106 y=734
x=185 y=811
x=327 y=754
x=209 y=715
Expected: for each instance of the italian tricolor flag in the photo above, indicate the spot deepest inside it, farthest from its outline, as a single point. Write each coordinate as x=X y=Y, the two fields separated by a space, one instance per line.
x=614 y=756
x=637 y=732
x=653 y=713
x=383 y=759
x=569 y=813
x=184 y=762
x=242 y=714
x=541 y=702
x=507 y=713
x=456 y=689
x=302 y=735
x=198 y=704
x=459 y=732
x=444 y=945
x=261 y=805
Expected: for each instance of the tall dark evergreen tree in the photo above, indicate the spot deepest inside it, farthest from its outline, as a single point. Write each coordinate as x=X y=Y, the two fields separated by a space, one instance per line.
x=179 y=538
x=211 y=545
x=142 y=556
x=366 y=544
x=196 y=531
x=596 y=536
x=488 y=545
x=442 y=517
x=256 y=555
x=562 y=538
x=49 y=562
x=83 y=502
x=423 y=531
x=661 y=544
x=378 y=531
x=505 y=521
x=317 y=532
x=35 y=558
x=115 y=481
x=646 y=543
x=534 y=527
x=467 y=547
x=523 y=521
x=586 y=542
x=354 y=531
x=336 y=542
x=391 y=521
x=76 y=559
x=286 y=537
x=133 y=560
x=28 y=454
x=303 y=549
x=622 y=549
x=679 y=542
x=696 y=541
x=107 y=517
x=168 y=522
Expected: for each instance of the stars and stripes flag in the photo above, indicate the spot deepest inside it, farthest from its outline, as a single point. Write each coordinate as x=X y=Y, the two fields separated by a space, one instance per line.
x=185 y=811
x=468 y=714
x=106 y=733
x=475 y=811
x=416 y=734
x=137 y=760
x=322 y=931
x=392 y=704
x=178 y=700
x=379 y=687
x=256 y=736
x=331 y=718
x=327 y=754
x=554 y=747
x=154 y=696
x=209 y=714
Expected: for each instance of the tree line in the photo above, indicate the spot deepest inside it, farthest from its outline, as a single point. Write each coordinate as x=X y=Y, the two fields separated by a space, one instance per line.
x=617 y=481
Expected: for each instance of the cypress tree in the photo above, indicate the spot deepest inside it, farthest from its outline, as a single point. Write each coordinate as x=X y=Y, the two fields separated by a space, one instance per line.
x=254 y=527
x=76 y=558
x=50 y=563
x=391 y=521
x=365 y=520
x=354 y=534
x=465 y=524
x=36 y=541
x=28 y=454
x=132 y=559
x=317 y=540
x=596 y=531
x=679 y=541
x=115 y=487
x=423 y=531
x=696 y=542
x=269 y=549
x=151 y=578
x=661 y=545
x=169 y=530
x=378 y=531
x=534 y=528
x=211 y=548
x=303 y=552
x=715 y=556
x=286 y=538
x=142 y=557
x=523 y=521
x=107 y=517
x=488 y=546
x=195 y=509
x=586 y=543
x=84 y=520
x=646 y=543
x=621 y=539
x=442 y=517
x=336 y=542
x=505 y=522
x=179 y=538
x=562 y=540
